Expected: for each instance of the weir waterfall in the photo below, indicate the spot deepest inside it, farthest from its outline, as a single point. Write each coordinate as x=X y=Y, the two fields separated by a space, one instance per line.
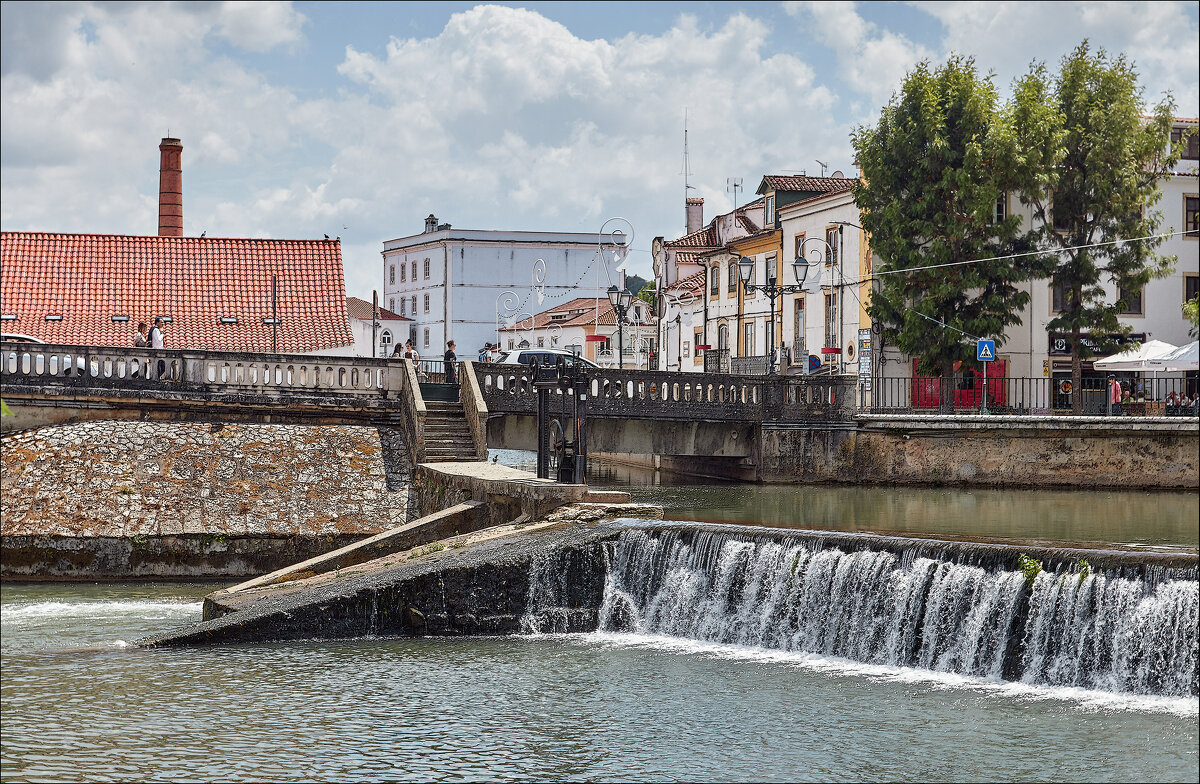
x=955 y=608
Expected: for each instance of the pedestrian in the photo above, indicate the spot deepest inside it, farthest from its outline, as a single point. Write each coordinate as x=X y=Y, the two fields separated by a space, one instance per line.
x=157 y=341
x=1114 y=394
x=484 y=352
x=451 y=361
x=156 y=334
x=140 y=339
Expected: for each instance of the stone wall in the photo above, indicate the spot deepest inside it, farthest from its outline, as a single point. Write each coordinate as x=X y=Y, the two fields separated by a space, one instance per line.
x=990 y=451
x=159 y=491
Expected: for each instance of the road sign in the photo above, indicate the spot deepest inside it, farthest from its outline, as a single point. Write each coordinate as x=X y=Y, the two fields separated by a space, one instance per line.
x=985 y=350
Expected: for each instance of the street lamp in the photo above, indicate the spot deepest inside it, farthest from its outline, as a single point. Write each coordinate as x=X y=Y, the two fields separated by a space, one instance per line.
x=620 y=299
x=773 y=291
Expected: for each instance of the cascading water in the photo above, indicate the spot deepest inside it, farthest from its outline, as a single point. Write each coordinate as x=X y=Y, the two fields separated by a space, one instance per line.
x=1096 y=631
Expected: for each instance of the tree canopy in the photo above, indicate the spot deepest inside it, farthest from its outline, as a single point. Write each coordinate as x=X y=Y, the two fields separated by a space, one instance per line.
x=934 y=170
x=1089 y=164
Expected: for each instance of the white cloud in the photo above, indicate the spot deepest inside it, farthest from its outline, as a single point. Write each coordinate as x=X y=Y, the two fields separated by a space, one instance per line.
x=260 y=26
x=1162 y=39
x=871 y=60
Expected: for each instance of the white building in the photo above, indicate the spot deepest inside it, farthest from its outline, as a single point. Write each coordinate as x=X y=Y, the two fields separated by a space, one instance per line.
x=391 y=330
x=465 y=285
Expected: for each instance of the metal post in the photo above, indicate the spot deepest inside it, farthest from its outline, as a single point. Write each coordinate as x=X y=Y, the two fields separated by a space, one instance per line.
x=374 y=320
x=983 y=400
x=543 y=436
x=274 y=317
x=620 y=338
x=771 y=295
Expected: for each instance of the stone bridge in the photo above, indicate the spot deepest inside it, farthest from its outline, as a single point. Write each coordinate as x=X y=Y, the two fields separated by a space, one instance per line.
x=775 y=428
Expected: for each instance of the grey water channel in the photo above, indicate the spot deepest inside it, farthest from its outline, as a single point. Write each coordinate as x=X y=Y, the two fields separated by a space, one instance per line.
x=703 y=667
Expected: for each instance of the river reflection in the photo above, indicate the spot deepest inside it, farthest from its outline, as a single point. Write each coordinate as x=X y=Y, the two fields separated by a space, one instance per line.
x=1089 y=517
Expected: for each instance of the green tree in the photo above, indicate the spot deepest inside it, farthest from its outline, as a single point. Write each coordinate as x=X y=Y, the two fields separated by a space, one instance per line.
x=648 y=293
x=1090 y=166
x=1191 y=312
x=933 y=169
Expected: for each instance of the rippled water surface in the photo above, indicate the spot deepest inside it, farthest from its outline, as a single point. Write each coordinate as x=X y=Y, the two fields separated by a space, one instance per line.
x=78 y=705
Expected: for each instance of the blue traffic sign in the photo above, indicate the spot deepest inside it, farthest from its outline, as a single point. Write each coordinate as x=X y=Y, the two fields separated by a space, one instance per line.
x=985 y=350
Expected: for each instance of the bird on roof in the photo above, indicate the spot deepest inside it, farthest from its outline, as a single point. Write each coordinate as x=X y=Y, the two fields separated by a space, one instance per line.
x=203 y=233
x=326 y=236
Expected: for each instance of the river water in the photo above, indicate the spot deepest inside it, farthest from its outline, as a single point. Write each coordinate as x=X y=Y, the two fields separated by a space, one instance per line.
x=80 y=704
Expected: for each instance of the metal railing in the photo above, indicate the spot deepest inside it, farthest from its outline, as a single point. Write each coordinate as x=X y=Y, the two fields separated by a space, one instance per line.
x=508 y=389
x=716 y=360
x=1165 y=396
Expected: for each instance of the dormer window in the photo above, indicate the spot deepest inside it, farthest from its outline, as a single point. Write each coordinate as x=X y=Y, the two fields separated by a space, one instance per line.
x=770 y=216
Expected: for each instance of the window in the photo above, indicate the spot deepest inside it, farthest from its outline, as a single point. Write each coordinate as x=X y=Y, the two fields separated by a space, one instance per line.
x=831 y=338
x=426 y=270
x=426 y=303
x=512 y=343
x=770 y=222
x=414 y=272
x=541 y=342
x=748 y=339
x=733 y=278
x=687 y=348
x=1060 y=297
x=426 y=336
x=799 y=247
x=798 y=326
x=1191 y=287
x=392 y=274
x=1132 y=300
x=403 y=270
x=1191 y=214
x=414 y=304
x=392 y=304
x=385 y=339
x=402 y=313
x=723 y=338
x=1192 y=152
x=831 y=252
x=1061 y=219
x=714 y=286
x=1000 y=209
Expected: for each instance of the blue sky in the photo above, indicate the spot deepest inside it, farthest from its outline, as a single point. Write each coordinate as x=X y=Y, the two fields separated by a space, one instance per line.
x=357 y=120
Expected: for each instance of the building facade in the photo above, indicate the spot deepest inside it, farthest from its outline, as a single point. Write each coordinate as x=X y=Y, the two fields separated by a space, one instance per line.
x=466 y=285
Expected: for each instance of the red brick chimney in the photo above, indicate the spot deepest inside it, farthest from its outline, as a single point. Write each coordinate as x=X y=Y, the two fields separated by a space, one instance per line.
x=170 y=188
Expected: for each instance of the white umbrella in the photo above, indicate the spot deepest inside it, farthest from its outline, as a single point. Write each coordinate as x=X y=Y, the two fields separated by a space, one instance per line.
x=1186 y=357
x=1135 y=357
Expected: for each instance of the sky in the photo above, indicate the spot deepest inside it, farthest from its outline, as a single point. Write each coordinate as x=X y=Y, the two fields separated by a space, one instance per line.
x=357 y=120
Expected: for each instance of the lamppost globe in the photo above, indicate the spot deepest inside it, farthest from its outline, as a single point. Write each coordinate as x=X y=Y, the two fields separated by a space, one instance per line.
x=745 y=269
x=800 y=269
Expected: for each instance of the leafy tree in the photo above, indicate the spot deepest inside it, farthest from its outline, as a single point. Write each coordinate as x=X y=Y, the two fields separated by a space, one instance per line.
x=1090 y=165
x=933 y=170
x=648 y=293
x=1191 y=312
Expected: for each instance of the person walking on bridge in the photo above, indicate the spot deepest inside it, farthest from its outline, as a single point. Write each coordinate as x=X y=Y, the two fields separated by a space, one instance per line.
x=451 y=364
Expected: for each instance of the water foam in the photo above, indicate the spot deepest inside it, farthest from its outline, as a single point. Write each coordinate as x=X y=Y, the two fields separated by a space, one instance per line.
x=143 y=608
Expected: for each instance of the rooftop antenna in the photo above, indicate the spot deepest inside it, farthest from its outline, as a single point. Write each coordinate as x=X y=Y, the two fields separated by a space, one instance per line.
x=733 y=185
x=686 y=171
x=823 y=166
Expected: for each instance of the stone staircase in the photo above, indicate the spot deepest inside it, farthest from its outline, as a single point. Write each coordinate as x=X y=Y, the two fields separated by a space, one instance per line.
x=447 y=435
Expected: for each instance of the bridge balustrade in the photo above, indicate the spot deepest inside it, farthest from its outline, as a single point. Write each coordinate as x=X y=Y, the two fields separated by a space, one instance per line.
x=508 y=389
x=167 y=369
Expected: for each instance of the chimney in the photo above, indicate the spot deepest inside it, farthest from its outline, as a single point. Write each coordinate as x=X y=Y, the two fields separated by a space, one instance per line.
x=431 y=224
x=695 y=214
x=170 y=188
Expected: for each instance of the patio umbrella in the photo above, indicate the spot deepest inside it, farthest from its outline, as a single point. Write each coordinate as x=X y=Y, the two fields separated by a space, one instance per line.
x=1186 y=357
x=1136 y=357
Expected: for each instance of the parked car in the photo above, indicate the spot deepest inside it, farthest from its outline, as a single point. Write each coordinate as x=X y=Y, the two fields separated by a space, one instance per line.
x=544 y=356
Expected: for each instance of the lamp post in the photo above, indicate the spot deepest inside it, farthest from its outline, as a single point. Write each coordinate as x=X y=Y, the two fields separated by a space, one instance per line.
x=620 y=299
x=773 y=291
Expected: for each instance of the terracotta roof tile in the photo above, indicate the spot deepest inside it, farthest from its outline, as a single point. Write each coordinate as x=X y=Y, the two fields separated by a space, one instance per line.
x=89 y=278
x=361 y=309
x=791 y=182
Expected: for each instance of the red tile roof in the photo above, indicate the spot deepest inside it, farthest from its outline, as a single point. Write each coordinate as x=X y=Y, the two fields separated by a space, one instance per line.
x=587 y=305
x=691 y=283
x=89 y=278
x=361 y=309
x=790 y=182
